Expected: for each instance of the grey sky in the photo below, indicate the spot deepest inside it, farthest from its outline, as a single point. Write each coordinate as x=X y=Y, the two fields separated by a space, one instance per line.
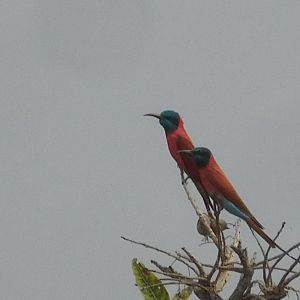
x=80 y=166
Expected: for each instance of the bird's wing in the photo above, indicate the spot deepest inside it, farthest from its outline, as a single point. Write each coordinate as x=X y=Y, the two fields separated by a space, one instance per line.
x=218 y=179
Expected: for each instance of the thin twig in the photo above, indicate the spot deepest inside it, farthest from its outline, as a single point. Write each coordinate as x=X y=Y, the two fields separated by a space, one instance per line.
x=283 y=280
x=281 y=256
x=173 y=274
x=297 y=292
x=271 y=259
x=241 y=270
x=265 y=261
x=176 y=282
x=269 y=277
x=198 y=211
x=168 y=269
x=195 y=261
x=219 y=246
x=291 y=278
x=161 y=251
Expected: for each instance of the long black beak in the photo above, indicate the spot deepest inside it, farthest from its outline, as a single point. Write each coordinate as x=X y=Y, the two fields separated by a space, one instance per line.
x=185 y=151
x=153 y=115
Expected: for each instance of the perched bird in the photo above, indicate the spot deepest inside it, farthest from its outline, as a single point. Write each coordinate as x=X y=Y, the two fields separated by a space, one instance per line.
x=213 y=225
x=178 y=139
x=221 y=190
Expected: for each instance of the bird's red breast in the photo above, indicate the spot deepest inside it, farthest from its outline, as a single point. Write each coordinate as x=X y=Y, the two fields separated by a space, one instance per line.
x=179 y=140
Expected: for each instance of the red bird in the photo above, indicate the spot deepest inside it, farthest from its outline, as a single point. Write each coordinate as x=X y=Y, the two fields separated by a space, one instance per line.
x=221 y=190
x=178 y=139
x=206 y=174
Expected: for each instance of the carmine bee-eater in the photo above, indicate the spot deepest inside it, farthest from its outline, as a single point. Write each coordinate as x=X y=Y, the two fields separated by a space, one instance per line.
x=178 y=139
x=221 y=190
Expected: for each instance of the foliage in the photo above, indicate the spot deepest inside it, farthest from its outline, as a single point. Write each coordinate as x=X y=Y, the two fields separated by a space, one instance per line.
x=148 y=283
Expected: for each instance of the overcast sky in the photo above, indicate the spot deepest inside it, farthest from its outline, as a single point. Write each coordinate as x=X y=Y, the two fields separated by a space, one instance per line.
x=80 y=166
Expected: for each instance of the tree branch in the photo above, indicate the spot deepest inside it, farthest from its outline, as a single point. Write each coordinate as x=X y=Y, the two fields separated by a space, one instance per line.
x=246 y=277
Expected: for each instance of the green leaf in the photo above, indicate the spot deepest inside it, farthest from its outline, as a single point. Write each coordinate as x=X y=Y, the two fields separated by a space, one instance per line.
x=183 y=295
x=148 y=283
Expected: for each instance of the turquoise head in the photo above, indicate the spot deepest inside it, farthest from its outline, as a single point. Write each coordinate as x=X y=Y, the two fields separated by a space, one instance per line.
x=201 y=155
x=168 y=119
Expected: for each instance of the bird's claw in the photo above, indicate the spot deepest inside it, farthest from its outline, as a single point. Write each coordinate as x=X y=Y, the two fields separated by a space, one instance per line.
x=184 y=180
x=210 y=214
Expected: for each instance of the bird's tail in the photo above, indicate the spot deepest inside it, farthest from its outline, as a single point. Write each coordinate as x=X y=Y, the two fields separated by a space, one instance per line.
x=253 y=219
x=252 y=224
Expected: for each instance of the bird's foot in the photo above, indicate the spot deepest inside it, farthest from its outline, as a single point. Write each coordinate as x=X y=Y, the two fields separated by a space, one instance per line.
x=183 y=178
x=210 y=214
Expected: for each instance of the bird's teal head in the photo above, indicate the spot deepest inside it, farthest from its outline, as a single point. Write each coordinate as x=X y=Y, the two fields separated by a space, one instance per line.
x=201 y=155
x=168 y=119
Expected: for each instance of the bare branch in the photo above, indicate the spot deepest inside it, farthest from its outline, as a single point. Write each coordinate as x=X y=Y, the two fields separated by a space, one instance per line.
x=283 y=282
x=221 y=245
x=291 y=278
x=228 y=261
x=268 y=279
x=161 y=251
x=195 y=261
x=246 y=277
x=208 y=286
x=167 y=270
x=265 y=256
x=281 y=256
x=206 y=295
x=198 y=211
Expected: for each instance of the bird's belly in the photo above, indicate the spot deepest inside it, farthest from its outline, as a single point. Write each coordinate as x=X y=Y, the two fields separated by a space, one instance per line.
x=171 y=140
